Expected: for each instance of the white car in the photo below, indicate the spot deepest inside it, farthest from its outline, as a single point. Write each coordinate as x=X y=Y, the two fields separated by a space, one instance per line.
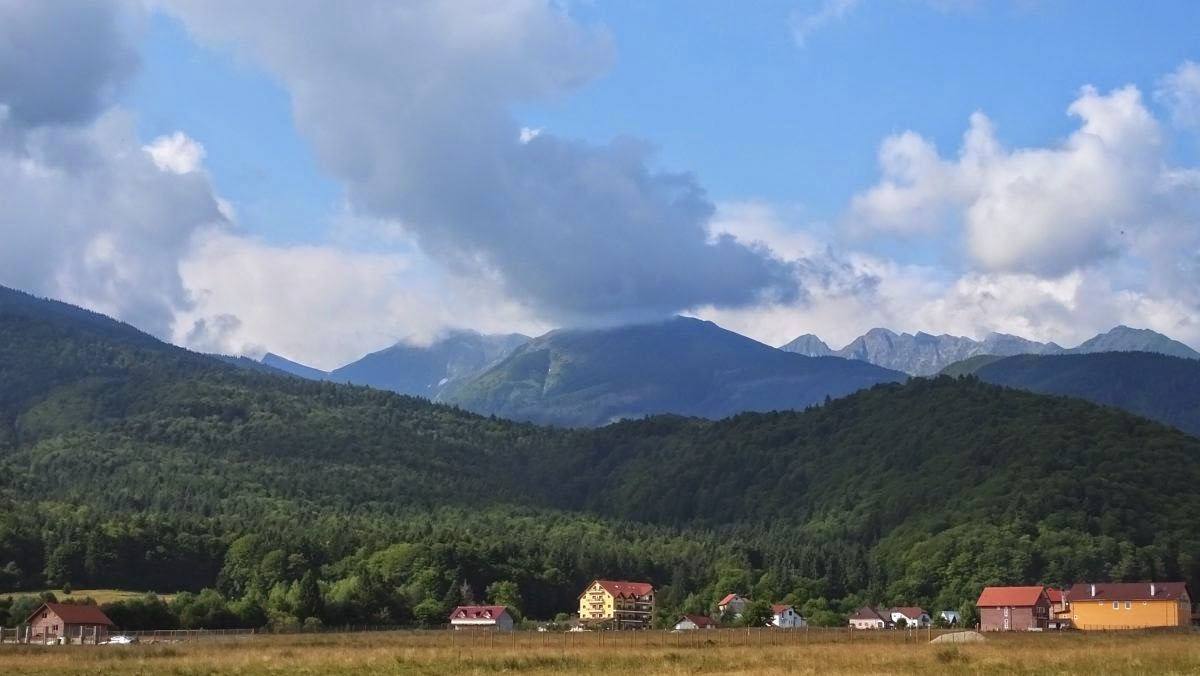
x=121 y=640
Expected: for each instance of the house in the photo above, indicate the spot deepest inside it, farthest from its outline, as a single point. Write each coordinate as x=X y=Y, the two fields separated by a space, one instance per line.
x=481 y=617
x=1129 y=605
x=950 y=617
x=1060 y=613
x=626 y=605
x=912 y=616
x=869 y=618
x=786 y=617
x=1013 y=609
x=691 y=622
x=733 y=603
x=70 y=622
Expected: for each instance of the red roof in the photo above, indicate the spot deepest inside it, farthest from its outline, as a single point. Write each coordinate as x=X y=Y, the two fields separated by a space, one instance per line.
x=779 y=608
x=725 y=601
x=623 y=588
x=1128 y=591
x=1010 y=596
x=71 y=613
x=911 y=612
x=1055 y=595
x=478 y=612
x=700 y=621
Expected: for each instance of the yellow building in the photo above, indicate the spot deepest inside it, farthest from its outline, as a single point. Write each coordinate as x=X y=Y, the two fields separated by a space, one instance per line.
x=627 y=605
x=1129 y=605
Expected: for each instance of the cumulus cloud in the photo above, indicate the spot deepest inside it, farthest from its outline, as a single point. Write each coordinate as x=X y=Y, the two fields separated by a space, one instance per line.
x=408 y=105
x=1180 y=92
x=325 y=305
x=176 y=153
x=1047 y=211
x=61 y=61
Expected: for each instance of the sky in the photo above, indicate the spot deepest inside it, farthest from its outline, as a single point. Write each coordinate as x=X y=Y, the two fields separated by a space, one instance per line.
x=322 y=180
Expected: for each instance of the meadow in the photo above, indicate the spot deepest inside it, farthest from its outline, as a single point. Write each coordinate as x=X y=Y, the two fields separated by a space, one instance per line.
x=716 y=652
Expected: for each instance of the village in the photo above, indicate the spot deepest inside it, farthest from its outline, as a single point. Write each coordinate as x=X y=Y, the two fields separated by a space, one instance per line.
x=618 y=605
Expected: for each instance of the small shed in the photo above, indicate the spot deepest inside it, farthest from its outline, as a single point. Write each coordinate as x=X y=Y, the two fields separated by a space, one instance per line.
x=72 y=623
x=496 y=618
x=693 y=622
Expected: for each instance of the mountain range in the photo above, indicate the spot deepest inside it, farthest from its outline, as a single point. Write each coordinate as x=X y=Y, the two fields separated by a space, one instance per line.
x=127 y=462
x=923 y=354
x=684 y=366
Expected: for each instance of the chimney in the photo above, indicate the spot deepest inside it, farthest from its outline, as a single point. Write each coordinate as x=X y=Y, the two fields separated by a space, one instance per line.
x=1152 y=590
x=1093 y=590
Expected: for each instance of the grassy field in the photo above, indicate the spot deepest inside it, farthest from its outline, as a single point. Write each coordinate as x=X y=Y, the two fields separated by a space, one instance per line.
x=100 y=595
x=721 y=652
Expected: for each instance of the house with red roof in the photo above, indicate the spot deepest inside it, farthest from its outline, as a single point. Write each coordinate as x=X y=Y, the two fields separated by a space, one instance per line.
x=1129 y=605
x=619 y=603
x=72 y=623
x=495 y=618
x=870 y=618
x=912 y=616
x=693 y=622
x=1013 y=609
x=733 y=603
x=786 y=617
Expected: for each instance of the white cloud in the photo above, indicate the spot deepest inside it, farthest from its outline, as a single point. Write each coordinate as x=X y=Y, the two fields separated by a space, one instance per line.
x=1180 y=92
x=177 y=153
x=325 y=305
x=1034 y=210
x=805 y=24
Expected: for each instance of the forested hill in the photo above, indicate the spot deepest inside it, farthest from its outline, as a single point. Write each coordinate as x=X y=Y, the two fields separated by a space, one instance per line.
x=125 y=462
x=1157 y=386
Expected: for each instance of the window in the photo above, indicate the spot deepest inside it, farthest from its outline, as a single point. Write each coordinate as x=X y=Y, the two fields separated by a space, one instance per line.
x=1128 y=605
x=1116 y=604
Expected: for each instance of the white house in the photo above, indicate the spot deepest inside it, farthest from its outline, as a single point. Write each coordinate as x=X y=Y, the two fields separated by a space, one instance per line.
x=913 y=617
x=692 y=622
x=869 y=618
x=950 y=617
x=495 y=618
x=786 y=617
x=733 y=603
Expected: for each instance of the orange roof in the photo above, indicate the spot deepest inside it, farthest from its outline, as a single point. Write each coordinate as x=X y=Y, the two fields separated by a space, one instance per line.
x=725 y=601
x=623 y=588
x=1055 y=595
x=780 y=608
x=1010 y=596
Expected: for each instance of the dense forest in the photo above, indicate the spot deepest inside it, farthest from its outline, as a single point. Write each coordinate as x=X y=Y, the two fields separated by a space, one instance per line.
x=126 y=462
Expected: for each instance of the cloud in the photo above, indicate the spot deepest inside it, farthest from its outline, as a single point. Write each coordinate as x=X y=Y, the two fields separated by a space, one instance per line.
x=1180 y=92
x=176 y=153
x=61 y=61
x=805 y=24
x=323 y=304
x=408 y=106
x=1045 y=211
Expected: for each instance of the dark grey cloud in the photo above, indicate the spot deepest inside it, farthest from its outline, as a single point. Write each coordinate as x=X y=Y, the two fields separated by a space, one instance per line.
x=61 y=59
x=409 y=105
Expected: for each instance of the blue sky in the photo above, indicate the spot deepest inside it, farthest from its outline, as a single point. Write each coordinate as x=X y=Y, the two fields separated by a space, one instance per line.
x=324 y=179
x=723 y=90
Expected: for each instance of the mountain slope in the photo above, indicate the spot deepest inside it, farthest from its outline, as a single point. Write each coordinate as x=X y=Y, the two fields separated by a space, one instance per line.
x=425 y=371
x=127 y=462
x=1125 y=339
x=295 y=368
x=1157 y=386
x=683 y=366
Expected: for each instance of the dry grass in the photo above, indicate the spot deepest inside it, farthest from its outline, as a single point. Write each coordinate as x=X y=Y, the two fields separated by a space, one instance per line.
x=100 y=595
x=720 y=652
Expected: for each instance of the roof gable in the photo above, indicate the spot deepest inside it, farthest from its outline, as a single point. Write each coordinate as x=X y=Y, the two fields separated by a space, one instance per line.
x=478 y=613
x=911 y=612
x=1011 y=596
